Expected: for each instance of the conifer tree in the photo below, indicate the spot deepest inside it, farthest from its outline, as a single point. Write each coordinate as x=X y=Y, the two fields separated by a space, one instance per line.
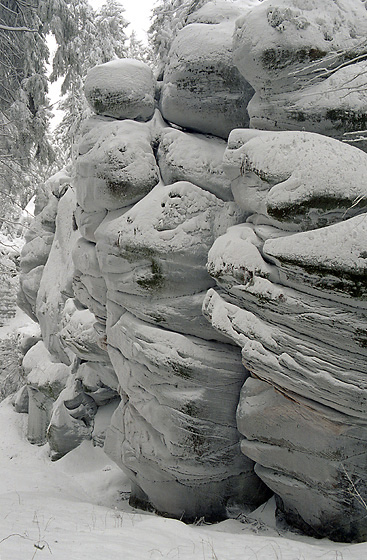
x=84 y=39
x=25 y=146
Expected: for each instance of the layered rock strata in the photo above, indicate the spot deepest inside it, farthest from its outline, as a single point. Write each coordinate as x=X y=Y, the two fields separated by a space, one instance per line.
x=141 y=271
x=148 y=202
x=296 y=305
x=202 y=89
x=57 y=366
x=172 y=433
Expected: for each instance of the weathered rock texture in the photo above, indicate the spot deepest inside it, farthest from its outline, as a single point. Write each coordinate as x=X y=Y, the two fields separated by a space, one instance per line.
x=205 y=291
x=295 y=180
x=122 y=89
x=53 y=367
x=140 y=268
x=146 y=205
x=172 y=433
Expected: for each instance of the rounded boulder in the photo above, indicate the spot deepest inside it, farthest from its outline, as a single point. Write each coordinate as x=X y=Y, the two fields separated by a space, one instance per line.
x=121 y=89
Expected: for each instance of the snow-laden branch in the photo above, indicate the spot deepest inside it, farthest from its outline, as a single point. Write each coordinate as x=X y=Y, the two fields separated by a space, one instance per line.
x=9 y=28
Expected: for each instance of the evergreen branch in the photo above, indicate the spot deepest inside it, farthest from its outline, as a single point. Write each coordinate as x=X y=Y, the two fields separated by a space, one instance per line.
x=26 y=29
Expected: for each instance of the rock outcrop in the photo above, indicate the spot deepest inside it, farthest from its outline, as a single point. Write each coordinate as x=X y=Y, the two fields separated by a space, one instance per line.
x=172 y=433
x=141 y=270
x=295 y=180
x=122 y=89
x=208 y=322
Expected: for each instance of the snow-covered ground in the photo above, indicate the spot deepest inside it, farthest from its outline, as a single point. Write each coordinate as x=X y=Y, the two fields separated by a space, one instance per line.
x=77 y=508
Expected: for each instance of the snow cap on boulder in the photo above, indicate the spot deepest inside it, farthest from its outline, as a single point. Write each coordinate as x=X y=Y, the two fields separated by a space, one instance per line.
x=297 y=180
x=122 y=89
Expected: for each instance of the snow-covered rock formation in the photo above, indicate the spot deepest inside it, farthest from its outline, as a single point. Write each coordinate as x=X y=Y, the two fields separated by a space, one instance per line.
x=141 y=270
x=206 y=289
x=122 y=89
x=296 y=305
x=295 y=180
x=61 y=367
x=306 y=63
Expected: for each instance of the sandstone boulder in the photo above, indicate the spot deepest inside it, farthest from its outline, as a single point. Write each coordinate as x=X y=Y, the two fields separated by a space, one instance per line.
x=295 y=180
x=122 y=89
x=202 y=89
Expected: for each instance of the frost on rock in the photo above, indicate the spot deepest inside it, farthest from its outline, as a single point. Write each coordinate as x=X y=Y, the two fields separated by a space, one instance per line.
x=45 y=380
x=171 y=433
x=122 y=89
x=194 y=158
x=139 y=267
x=116 y=165
x=303 y=61
x=47 y=295
x=287 y=434
x=56 y=282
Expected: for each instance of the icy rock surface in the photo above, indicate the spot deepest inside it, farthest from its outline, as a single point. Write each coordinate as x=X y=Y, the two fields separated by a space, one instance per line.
x=303 y=61
x=202 y=89
x=296 y=305
x=122 y=89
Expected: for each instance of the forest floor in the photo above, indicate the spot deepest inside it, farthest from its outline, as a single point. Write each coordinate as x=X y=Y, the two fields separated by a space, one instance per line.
x=77 y=509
